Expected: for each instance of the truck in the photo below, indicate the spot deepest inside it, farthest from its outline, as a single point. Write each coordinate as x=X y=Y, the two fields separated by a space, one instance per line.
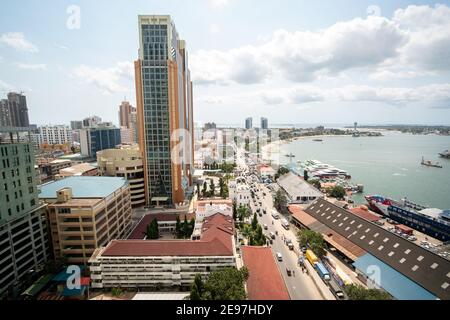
x=285 y=224
x=322 y=271
x=312 y=258
x=336 y=290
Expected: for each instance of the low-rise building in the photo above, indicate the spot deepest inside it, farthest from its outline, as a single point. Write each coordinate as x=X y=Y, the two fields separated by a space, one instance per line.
x=239 y=192
x=127 y=163
x=298 y=190
x=141 y=264
x=265 y=172
x=85 y=213
x=81 y=169
x=49 y=169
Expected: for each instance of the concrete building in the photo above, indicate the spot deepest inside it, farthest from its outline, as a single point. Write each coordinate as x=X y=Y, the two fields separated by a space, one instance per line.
x=141 y=264
x=76 y=125
x=265 y=172
x=126 y=135
x=249 y=123
x=56 y=134
x=167 y=223
x=125 y=110
x=24 y=242
x=85 y=213
x=298 y=190
x=240 y=192
x=77 y=170
x=101 y=137
x=50 y=169
x=264 y=124
x=92 y=121
x=125 y=163
x=14 y=111
x=165 y=110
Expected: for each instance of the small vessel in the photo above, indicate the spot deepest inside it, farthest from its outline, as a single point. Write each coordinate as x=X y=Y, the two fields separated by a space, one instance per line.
x=445 y=154
x=428 y=163
x=318 y=140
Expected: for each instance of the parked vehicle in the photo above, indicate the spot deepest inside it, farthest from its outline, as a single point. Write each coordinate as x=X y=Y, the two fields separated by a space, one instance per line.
x=289 y=272
x=290 y=244
x=322 y=271
x=336 y=290
x=272 y=235
x=275 y=214
x=265 y=226
x=285 y=224
x=304 y=248
x=312 y=258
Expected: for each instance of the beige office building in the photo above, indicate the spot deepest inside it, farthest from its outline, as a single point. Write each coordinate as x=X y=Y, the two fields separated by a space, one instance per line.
x=127 y=163
x=85 y=213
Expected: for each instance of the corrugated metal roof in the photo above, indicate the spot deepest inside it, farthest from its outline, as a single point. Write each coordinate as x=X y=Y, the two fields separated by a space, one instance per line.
x=297 y=187
x=398 y=286
x=418 y=264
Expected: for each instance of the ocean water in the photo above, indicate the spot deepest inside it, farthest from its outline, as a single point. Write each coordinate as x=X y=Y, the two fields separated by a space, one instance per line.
x=388 y=165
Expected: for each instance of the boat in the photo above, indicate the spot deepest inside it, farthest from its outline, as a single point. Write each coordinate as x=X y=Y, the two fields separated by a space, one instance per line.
x=318 y=140
x=431 y=221
x=445 y=154
x=429 y=163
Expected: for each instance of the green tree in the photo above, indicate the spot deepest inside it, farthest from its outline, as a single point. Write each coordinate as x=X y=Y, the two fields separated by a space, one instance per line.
x=316 y=183
x=337 y=192
x=254 y=221
x=358 y=292
x=185 y=228
x=197 y=288
x=226 y=284
x=281 y=172
x=178 y=227
x=205 y=188
x=280 y=200
x=243 y=212
x=152 y=230
x=313 y=240
x=212 y=187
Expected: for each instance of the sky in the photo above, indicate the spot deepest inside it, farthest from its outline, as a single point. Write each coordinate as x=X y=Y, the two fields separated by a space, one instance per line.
x=292 y=61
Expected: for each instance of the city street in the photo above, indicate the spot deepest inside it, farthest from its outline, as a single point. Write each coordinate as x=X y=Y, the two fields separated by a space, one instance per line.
x=300 y=285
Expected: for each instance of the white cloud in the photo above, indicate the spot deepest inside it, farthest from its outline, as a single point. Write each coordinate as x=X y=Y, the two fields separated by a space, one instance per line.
x=214 y=28
x=17 y=41
x=219 y=3
x=108 y=80
x=434 y=93
x=30 y=66
x=416 y=39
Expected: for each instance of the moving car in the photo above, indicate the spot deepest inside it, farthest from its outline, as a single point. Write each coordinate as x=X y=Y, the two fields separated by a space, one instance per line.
x=265 y=226
x=272 y=235
x=279 y=257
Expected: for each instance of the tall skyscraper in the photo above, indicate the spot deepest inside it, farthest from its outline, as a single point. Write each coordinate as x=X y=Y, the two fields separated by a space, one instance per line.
x=24 y=244
x=164 y=105
x=248 y=123
x=264 y=124
x=125 y=110
x=14 y=111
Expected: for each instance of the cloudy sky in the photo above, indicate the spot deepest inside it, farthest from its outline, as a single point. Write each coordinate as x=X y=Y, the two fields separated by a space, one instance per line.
x=291 y=61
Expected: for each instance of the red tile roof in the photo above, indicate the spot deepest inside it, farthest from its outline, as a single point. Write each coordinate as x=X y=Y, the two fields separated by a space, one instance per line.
x=216 y=240
x=140 y=230
x=264 y=281
x=365 y=213
x=300 y=215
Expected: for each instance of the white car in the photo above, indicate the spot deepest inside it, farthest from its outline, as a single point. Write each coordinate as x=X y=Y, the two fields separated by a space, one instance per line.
x=279 y=257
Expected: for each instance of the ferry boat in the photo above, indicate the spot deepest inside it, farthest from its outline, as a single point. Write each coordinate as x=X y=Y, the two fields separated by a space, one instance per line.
x=431 y=221
x=445 y=154
x=428 y=163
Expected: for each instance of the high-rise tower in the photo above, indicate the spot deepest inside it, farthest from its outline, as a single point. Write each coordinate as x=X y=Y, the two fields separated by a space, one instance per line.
x=164 y=110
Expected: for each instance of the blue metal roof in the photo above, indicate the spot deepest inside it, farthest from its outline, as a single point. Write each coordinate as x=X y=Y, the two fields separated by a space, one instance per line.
x=394 y=282
x=83 y=187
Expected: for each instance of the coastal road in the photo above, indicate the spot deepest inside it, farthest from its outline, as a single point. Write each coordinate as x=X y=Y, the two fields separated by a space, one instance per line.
x=300 y=285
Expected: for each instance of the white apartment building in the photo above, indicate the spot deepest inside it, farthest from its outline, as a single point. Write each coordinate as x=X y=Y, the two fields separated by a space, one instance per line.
x=240 y=192
x=58 y=134
x=164 y=263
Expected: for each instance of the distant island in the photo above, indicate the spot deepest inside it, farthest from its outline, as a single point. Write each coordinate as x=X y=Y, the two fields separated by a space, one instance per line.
x=413 y=129
x=292 y=133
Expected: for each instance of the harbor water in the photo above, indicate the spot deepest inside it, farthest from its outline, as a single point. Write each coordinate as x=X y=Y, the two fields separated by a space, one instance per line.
x=389 y=165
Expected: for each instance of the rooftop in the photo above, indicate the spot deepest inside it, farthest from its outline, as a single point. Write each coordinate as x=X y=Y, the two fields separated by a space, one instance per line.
x=139 y=231
x=264 y=281
x=77 y=170
x=297 y=187
x=395 y=283
x=365 y=213
x=83 y=187
x=427 y=269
